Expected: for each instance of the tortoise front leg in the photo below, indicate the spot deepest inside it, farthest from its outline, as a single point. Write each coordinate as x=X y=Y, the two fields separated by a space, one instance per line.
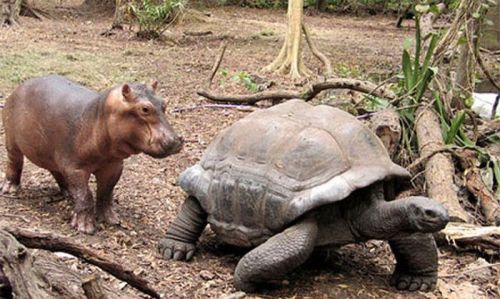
x=277 y=256
x=417 y=262
x=184 y=232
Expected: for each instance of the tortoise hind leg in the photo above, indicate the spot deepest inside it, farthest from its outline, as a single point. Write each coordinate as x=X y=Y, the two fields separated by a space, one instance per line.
x=184 y=231
x=277 y=256
x=417 y=262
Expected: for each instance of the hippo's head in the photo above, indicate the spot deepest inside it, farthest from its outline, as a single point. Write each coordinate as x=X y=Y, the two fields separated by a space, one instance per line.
x=137 y=123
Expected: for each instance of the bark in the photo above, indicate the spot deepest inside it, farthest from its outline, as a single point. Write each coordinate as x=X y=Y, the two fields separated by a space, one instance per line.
x=308 y=94
x=439 y=169
x=463 y=236
x=119 y=14
x=8 y=13
x=92 y=288
x=38 y=275
x=52 y=242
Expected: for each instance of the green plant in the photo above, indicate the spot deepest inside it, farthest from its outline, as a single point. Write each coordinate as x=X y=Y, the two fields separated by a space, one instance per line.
x=153 y=17
x=246 y=80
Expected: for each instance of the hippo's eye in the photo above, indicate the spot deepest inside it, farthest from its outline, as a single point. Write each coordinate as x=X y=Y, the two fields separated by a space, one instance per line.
x=145 y=110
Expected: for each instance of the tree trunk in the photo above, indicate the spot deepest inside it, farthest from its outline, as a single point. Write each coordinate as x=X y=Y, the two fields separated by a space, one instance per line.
x=290 y=59
x=119 y=16
x=8 y=13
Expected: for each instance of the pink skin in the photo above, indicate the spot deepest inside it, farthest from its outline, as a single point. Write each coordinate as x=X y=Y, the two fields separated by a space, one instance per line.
x=74 y=132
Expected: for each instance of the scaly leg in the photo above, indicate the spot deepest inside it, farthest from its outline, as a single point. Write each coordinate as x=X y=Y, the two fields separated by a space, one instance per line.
x=184 y=232
x=277 y=256
x=417 y=262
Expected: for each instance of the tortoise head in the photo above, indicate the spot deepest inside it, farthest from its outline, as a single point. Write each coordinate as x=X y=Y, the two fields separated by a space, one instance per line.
x=426 y=215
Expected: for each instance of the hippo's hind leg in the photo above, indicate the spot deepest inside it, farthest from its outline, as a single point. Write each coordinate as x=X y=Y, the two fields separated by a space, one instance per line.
x=277 y=256
x=417 y=262
x=107 y=177
x=184 y=232
x=15 y=160
x=61 y=182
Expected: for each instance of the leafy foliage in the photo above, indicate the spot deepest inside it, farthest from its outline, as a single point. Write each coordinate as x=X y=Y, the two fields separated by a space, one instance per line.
x=153 y=17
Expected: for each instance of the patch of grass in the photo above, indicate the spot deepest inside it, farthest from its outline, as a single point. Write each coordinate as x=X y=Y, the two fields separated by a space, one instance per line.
x=96 y=71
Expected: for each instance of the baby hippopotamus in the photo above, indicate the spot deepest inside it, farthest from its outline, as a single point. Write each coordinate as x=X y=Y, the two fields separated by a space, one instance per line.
x=74 y=132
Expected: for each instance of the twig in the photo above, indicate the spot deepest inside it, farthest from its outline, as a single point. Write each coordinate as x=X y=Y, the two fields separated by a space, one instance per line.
x=54 y=243
x=217 y=63
x=469 y=270
x=426 y=157
x=223 y=106
x=326 y=62
x=17 y=216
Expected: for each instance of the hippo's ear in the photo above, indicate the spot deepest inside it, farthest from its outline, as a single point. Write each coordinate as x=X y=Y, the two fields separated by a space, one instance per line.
x=154 y=85
x=127 y=93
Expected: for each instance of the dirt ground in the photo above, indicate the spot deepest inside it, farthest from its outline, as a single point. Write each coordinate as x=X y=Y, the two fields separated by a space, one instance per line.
x=70 y=44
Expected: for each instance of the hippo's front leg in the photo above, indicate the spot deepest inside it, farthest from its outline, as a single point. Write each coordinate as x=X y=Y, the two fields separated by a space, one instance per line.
x=84 y=213
x=107 y=177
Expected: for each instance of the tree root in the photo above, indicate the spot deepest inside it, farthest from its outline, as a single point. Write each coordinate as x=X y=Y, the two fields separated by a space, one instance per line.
x=326 y=62
x=308 y=94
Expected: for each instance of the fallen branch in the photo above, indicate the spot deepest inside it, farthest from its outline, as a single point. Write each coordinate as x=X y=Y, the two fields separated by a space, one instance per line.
x=308 y=94
x=487 y=129
x=38 y=274
x=54 y=243
x=217 y=63
x=463 y=236
x=326 y=62
x=222 y=106
x=439 y=169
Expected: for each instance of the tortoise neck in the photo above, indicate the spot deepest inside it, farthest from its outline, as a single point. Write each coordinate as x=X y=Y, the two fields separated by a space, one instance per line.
x=379 y=219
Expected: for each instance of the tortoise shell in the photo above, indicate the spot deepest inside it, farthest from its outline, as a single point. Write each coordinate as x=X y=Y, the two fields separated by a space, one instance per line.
x=269 y=168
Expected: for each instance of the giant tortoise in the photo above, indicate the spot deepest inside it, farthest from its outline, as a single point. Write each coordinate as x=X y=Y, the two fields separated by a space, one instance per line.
x=294 y=177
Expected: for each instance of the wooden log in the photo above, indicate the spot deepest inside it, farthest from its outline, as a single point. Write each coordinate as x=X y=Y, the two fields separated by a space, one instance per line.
x=464 y=236
x=92 y=287
x=53 y=242
x=439 y=169
x=38 y=275
x=385 y=123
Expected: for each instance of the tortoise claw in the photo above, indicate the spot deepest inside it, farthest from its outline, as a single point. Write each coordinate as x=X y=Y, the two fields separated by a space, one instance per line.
x=413 y=282
x=176 y=250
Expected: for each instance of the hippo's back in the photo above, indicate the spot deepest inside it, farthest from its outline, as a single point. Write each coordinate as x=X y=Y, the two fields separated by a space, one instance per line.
x=43 y=114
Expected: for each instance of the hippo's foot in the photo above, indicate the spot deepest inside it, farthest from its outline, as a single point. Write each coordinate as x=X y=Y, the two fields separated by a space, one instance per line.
x=84 y=222
x=108 y=215
x=403 y=280
x=177 y=250
x=9 y=187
